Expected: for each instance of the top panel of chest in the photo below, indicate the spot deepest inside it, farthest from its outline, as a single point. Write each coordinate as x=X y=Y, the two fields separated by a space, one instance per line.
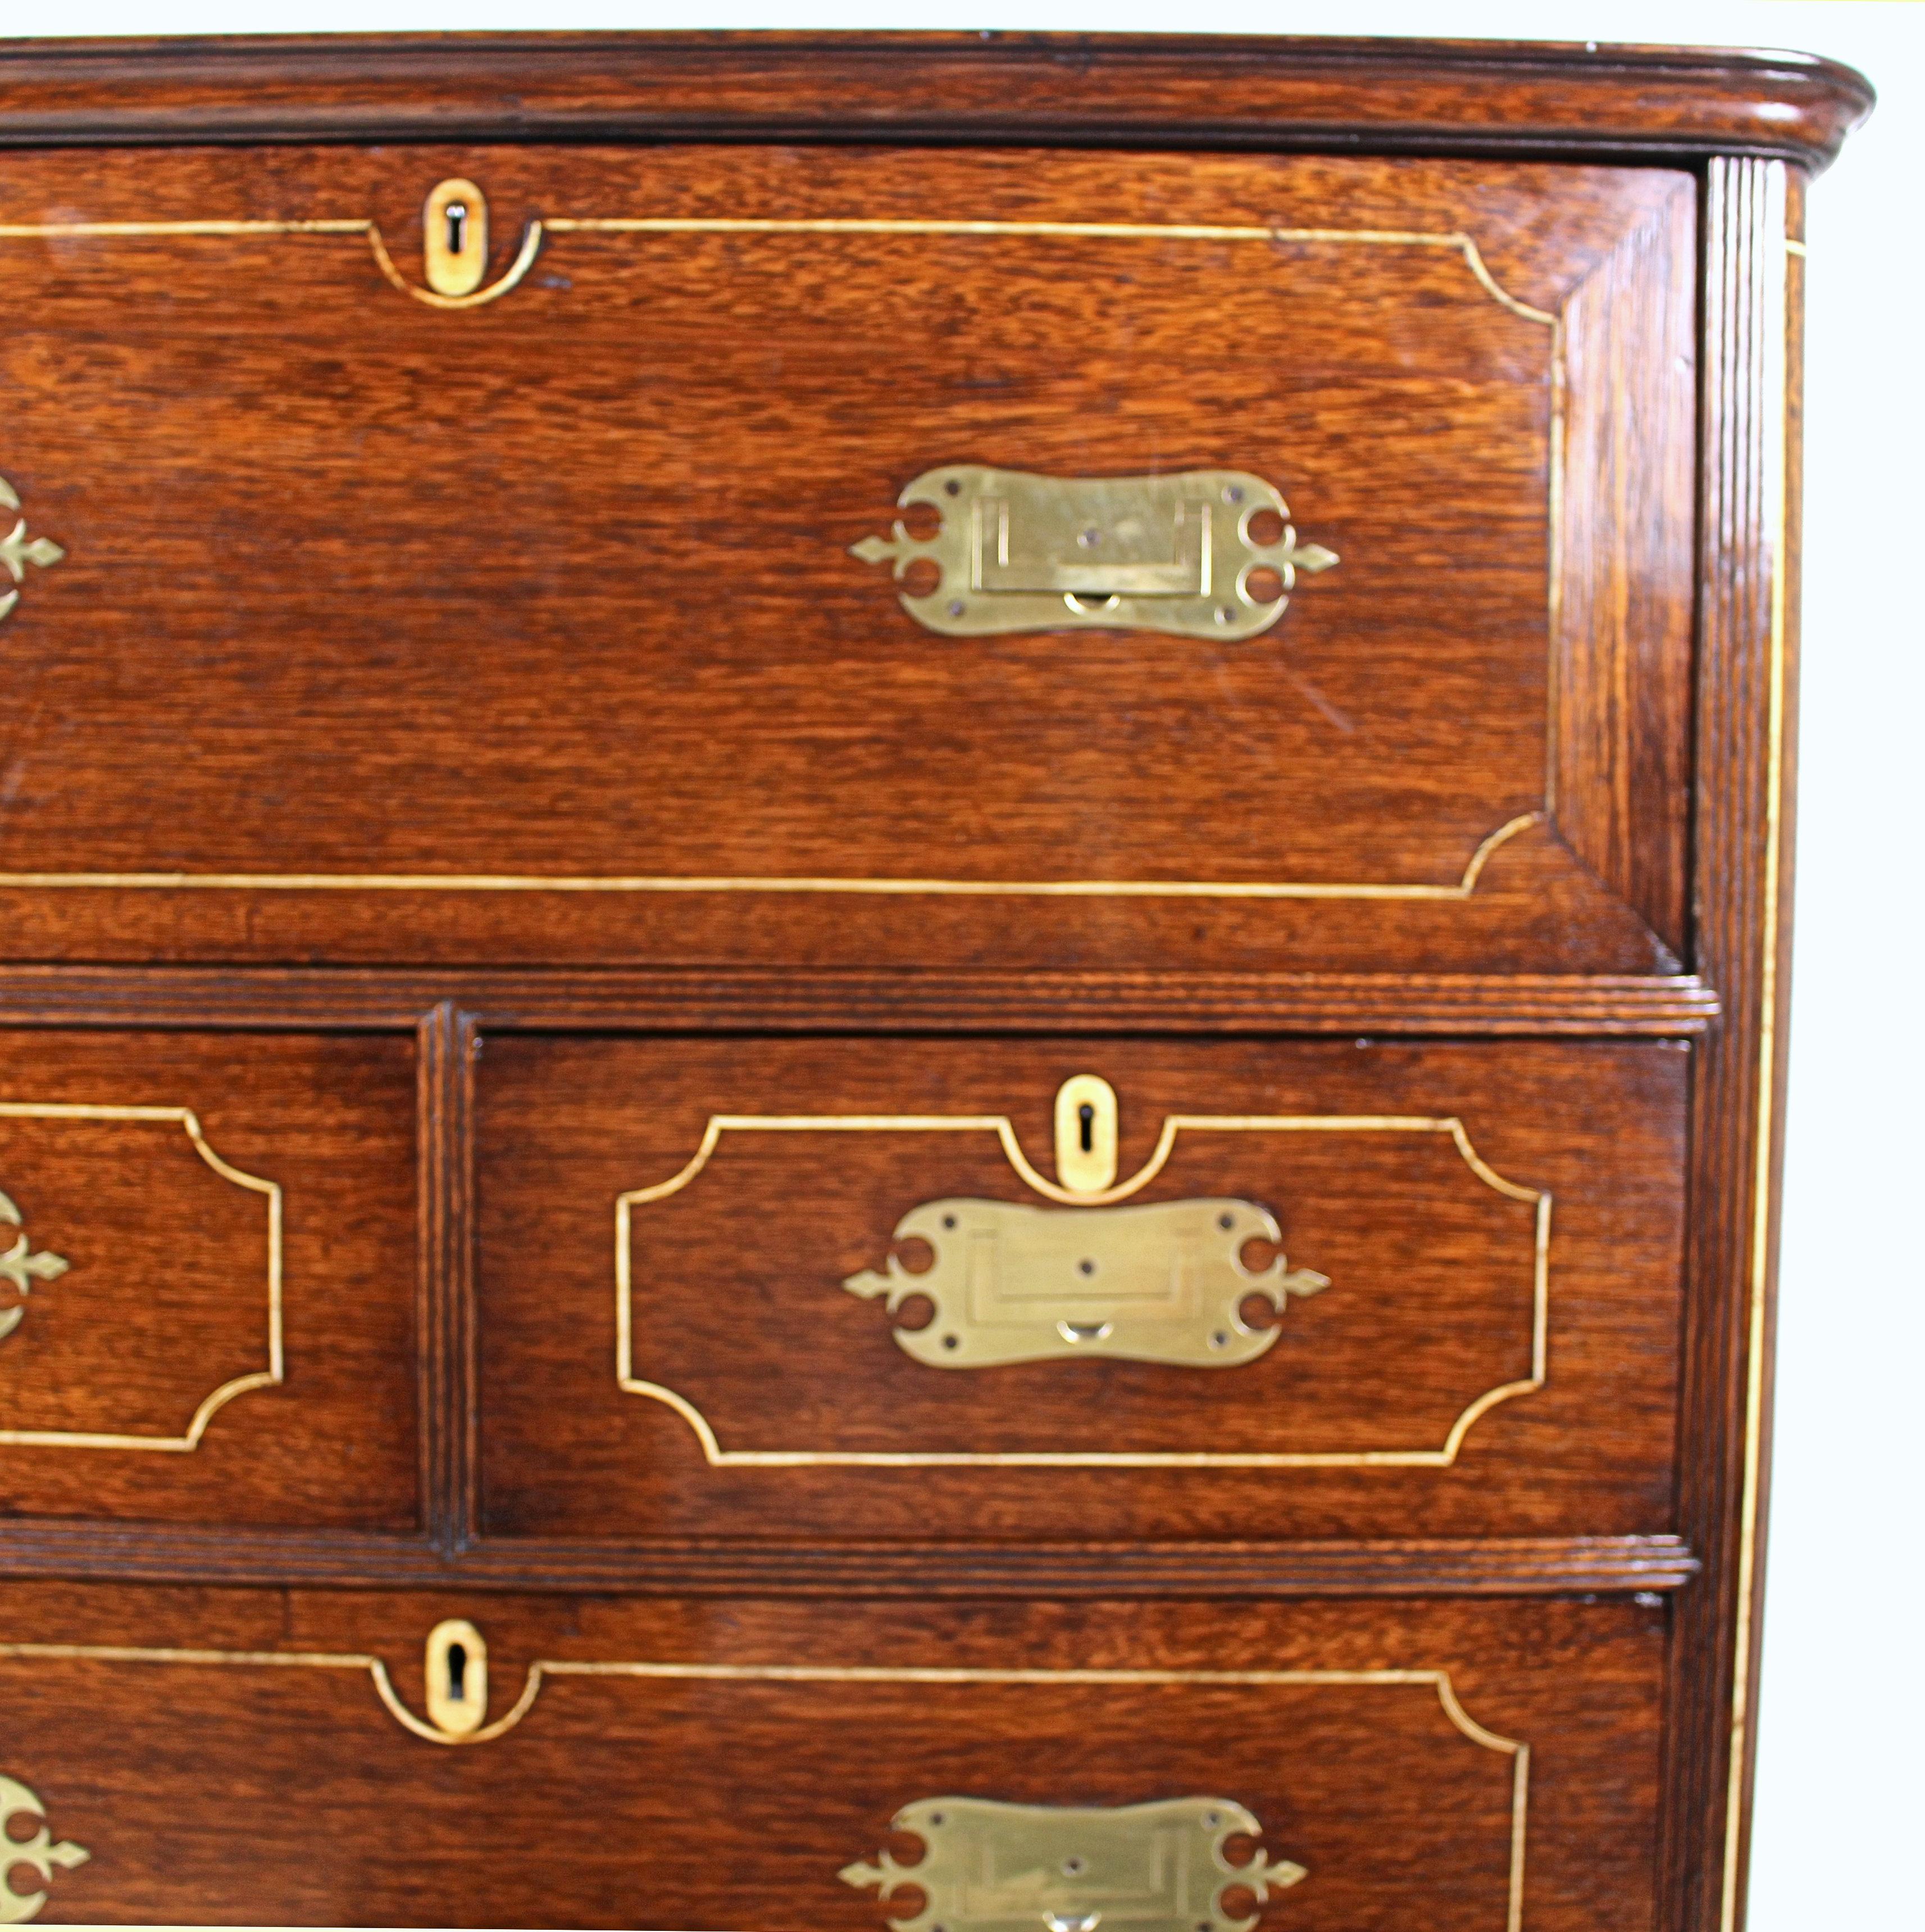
x=847 y=554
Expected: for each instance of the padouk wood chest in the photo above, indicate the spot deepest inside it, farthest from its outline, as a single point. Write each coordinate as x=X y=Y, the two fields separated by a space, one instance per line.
x=894 y=937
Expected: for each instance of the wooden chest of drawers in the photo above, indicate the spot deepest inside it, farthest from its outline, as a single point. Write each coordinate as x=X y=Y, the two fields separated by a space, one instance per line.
x=894 y=938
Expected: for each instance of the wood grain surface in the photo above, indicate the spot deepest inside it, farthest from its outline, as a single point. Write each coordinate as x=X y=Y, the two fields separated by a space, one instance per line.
x=221 y=1792
x=1622 y=615
x=1256 y=1569
x=560 y=589
x=1676 y=1005
x=166 y=1298
x=558 y=586
x=737 y=1304
x=1747 y=763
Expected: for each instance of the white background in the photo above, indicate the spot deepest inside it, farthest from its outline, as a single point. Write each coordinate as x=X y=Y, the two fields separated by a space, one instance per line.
x=1840 y=1794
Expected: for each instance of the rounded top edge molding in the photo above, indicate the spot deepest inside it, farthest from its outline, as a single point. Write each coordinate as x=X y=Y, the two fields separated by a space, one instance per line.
x=1566 y=99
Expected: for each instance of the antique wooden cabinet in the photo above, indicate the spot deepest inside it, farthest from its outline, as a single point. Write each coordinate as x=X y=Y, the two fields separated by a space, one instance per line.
x=894 y=938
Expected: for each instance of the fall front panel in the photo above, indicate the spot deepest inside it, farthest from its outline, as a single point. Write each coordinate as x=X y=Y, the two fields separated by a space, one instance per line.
x=1282 y=514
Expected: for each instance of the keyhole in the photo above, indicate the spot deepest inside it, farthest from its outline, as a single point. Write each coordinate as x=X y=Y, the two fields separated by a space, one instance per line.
x=454 y=237
x=1085 y=1134
x=457 y=1677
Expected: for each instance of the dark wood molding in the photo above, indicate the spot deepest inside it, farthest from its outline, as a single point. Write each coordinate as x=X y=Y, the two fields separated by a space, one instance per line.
x=445 y=1085
x=1551 y=1566
x=1352 y=95
x=159 y=1553
x=1524 y=1004
x=1745 y=643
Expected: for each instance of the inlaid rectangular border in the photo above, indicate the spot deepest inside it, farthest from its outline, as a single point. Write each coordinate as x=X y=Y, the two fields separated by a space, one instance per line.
x=270 y=1377
x=1004 y=1129
x=1453 y=242
x=542 y=1670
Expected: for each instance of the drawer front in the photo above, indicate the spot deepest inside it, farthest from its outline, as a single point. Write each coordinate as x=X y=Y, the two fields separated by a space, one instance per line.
x=1076 y=1289
x=1490 y=1767
x=207 y=1290
x=598 y=563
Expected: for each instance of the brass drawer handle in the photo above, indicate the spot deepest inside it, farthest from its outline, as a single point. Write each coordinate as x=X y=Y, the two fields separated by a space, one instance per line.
x=1159 y=1868
x=1012 y=1283
x=39 y=1853
x=22 y=1266
x=17 y=550
x=1176 y=554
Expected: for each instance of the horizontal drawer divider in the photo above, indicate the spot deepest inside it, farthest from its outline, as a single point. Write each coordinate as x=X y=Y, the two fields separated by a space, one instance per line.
x=532 y=1000
x=1546 y=1566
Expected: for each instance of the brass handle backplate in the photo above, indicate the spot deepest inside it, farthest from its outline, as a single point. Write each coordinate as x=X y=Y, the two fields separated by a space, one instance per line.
x=1176 y=554
x=994 y=1868
x=1012 y=1283
x=21 y=1265
x=39 y=1854
x=17 y=550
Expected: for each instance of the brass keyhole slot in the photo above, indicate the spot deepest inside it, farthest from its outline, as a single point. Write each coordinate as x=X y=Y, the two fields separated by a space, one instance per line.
x=1085 y=1134
x=457 y=1677
x=454 y=237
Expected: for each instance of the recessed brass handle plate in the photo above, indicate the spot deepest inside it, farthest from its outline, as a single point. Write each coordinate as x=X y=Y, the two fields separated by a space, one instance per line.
x=993 y=1867
x=38 y=1853
x=1012 y=1283
x=22 y=1266
x=1175 y=554
x=17 y=550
